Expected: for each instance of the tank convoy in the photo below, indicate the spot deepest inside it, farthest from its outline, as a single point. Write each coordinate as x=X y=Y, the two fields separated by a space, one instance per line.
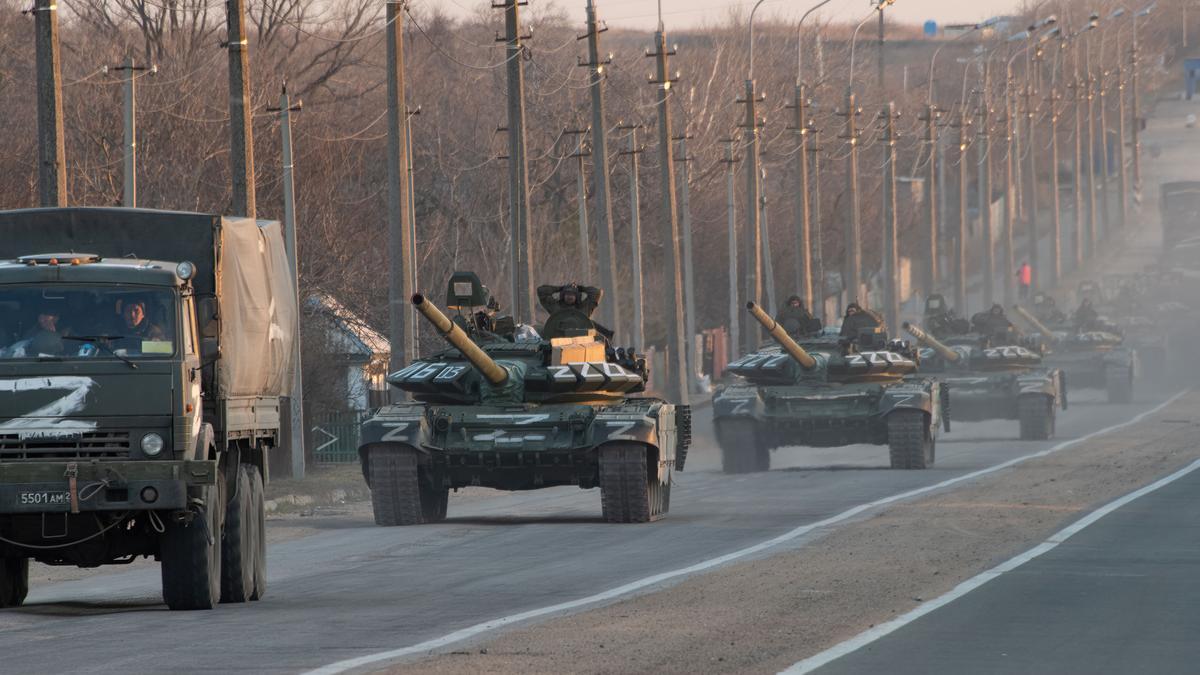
x=508 y=408
x=827 y=392
x=995 y=381
x=1091 y=356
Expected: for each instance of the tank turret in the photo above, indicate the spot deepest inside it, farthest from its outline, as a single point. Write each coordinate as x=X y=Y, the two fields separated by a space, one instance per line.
x=456 y=336
x=933 y=343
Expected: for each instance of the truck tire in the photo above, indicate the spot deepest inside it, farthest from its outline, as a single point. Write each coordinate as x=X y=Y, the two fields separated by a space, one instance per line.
x=14 y=581
x=191 y=555
x=258 y=498
x=395 y=486
x=740 y=450
x=1036 y=416
x=1119 y=383
x=910 y=441
x=237 y=541
x=628 y=493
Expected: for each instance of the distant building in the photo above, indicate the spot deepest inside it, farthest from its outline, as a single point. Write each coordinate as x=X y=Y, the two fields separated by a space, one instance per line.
x=358 y=352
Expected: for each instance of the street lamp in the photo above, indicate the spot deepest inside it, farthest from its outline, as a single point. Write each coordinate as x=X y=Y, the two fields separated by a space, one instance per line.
x=800 y=39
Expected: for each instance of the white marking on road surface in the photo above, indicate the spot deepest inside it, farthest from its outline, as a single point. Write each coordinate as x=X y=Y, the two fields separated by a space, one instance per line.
x=867 y=637
x=648 y=582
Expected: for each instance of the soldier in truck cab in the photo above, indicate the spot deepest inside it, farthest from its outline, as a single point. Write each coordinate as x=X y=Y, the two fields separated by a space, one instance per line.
x=135 y=325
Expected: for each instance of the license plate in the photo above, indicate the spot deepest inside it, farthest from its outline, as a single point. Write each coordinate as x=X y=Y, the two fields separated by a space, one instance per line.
x=44 y=498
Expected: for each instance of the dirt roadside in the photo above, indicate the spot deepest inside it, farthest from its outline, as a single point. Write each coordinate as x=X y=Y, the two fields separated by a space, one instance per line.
x=764 y=615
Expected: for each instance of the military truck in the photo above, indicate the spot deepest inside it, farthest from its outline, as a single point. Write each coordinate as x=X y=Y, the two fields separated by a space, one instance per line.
x=143 y=355
x=995 y=381
x=518 y=410
x=828 y=392
x=1090 y=359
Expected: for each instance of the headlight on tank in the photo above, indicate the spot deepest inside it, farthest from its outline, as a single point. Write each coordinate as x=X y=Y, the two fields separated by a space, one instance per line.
x=152 y=444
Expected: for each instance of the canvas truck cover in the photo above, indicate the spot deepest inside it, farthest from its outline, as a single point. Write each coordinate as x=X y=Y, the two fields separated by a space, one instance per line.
x=239 y=261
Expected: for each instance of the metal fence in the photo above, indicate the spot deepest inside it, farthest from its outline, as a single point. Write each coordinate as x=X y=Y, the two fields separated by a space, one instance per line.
x=334 y=436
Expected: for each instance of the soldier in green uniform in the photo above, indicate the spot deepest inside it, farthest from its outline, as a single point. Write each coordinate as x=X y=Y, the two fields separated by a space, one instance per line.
x=796 y=319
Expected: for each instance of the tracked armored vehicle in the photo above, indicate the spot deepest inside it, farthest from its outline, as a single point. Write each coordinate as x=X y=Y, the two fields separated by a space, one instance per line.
x=826 y=393
x=995 y=382
x=521 y=414
x=1090 y=359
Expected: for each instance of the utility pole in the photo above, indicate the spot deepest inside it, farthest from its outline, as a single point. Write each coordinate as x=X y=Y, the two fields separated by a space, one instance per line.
x=891 y=268
x=960 y=244
x=1135 y=117
x=241 y=147
x=1123 y=185
x=413 y=319
x=129 y=71
x=818 y=257
x=1102 y=103
x=400 y=245
x=768 y=271
x=880 y=62
x=752 y=243
x=52 y=163
x=804 y=271
x=853 y=231
x=1092 y=211
x=689 y=274
x=676 y=388
x=521 y=243
x=296 y=400
x=610 y=313
x=929 y=279
x=585 y=252
x=984 y=151
x=637 y=332
x=735 y=310
x=1010 y=194
x=1031 y=183
x=1056 y=257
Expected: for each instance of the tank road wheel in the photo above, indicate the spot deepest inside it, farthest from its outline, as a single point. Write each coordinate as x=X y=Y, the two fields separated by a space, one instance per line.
x=259 y=519
x=628 y=493
x=237 y=541
x=1036 y=415
x=398 y=495
x=740 y=450
x=14 y=581
x=910 y=441
x=191 y=555
x=1119 y=383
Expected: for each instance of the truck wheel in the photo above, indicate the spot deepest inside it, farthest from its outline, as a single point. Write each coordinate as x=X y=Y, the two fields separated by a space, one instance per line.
x=14 y=581
x=257 y=497
x=1036 y=416
x=191 y=555
x=910 y=443
x=395 y=486
x=1119 y=383
x=628 y=494
x=740 y=450
x=237 y=541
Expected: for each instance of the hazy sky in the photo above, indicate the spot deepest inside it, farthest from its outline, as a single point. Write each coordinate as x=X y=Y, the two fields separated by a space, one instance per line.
x=687 y=13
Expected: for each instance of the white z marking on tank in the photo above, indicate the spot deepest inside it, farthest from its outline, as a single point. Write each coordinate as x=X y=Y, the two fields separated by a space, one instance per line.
x=519 y=420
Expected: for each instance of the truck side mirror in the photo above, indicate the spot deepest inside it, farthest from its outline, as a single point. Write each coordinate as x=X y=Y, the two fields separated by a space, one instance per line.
x=210 y=351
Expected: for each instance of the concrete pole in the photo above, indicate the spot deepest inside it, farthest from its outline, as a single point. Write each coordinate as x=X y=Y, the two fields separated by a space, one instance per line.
x=296 y=400
x=52 y=163
x=1106 y=221
x=676 y=389
x=1123 y=184
x=413 y=281
x=241 y=150
x=804 y=272
x=929 y=278
x=129 y=79
x=521 y=242
x=602 y=219
x=1031 y=182
x=735 y=307
x=689 y=272
x=585 y=244
x=768 y=271
x=820 y=290
x=891 y=268
x=400 y=245
x=1078 y=97
x=853 y=232
x=984 y=151
x=637 y=331
x=752 y=263
x=1056 y=257
x=1135 y=127
x=1092 y=210
x=1010 y=200
x=960 y=244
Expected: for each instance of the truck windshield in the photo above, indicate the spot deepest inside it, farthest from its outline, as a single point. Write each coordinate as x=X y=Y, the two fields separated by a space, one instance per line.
x=86 y=322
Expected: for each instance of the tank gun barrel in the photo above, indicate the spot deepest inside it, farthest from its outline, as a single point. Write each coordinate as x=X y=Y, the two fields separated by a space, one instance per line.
x=789 y=345
x=461 y=341
x=1033 y=321
x=932 y=342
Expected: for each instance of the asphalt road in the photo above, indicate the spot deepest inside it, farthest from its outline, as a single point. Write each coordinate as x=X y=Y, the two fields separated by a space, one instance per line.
x=354 y=589
x=1118 y=597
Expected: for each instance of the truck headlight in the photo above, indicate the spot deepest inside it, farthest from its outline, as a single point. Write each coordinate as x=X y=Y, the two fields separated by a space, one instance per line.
x=152 y=444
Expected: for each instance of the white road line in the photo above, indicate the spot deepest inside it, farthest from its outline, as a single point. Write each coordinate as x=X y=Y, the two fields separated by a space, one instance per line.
x=867 y=637
x=651 y=581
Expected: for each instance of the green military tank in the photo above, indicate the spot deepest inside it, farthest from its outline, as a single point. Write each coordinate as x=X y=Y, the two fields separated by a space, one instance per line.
x=995 y=381
x=827 y=392
x=1090 y=359
x=514 y=410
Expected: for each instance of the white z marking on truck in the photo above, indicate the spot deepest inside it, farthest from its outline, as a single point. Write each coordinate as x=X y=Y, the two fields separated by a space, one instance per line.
x=49 y=418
